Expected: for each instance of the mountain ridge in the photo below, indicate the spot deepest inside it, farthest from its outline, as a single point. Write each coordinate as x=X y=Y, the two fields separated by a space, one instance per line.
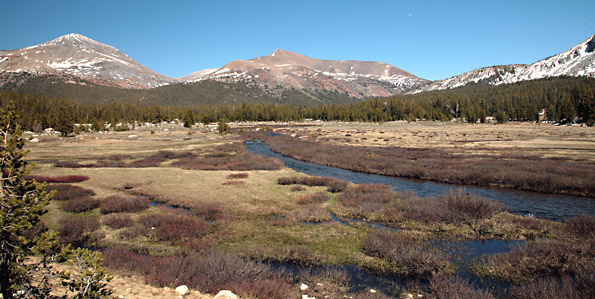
x=81 y=56
x=576 y=61
x=279 y=72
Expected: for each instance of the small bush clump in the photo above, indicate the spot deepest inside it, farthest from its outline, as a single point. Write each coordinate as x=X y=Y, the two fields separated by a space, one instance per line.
x=210 y=272
x=77 y=230
x=402 y=255
x=117 y=221
x=242 y=175
x=447 y=287
x=80 y=204
x=120 y=203
x=333 y=185
x=174 y=227
x=318 y=197
x=68 y=191
x=297 y=188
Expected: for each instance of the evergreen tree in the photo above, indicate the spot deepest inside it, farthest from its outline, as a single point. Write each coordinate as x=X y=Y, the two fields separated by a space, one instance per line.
x=223 y=127
x=22 y=203
x=188 y=119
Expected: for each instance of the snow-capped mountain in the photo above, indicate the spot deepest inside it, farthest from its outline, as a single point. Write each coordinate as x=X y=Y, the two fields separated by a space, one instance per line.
x=284 y=69
x=577 y=61
x=77 y=55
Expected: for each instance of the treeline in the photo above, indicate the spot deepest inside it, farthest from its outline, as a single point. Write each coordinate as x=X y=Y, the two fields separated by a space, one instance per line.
x=566 y=99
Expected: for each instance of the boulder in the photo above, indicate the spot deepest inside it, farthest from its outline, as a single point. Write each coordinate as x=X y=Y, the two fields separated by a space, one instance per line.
x=303 y=287
x=182 y=290
x=225 y=294
x=34 y=140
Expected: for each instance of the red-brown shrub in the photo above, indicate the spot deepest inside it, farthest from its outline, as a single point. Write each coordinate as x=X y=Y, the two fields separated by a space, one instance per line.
x=68 y=191
x=242 y=175
x=120 y=203
x=333 y=185
x=404 y=255
x=368 y=197
x=80 y=204
x=117 y=221
x=447 y=287
x=318 y=197
x=582 y=226
x=297 y=188
x=210 y=272
x=77 y=230
x=181 y=228
x=174 y=226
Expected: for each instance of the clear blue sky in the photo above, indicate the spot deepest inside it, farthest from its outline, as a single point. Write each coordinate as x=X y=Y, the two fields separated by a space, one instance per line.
x=431 y=39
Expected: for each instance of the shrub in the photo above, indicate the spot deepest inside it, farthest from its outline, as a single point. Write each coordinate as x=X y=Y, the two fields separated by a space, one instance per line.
x=465 y=206
x=541 y=258
x=80 y=204
x=368 y=198
x=181 y=228
x=172 y=226
x=297 y=188
x=209 y=272
x=582 y=226
x=318 y=197
x=447 y=287
x=77 y=230
x=232 y=156
x=242 y=175
x=120 y=203
x=68 y=191
x=333 y=185
x=581 y=285
x=402 y=255
x=117 y=221
x=59 y=179
x=311 y=213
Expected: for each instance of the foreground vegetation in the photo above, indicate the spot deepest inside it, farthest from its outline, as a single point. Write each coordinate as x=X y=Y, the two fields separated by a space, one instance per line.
x=198 y=209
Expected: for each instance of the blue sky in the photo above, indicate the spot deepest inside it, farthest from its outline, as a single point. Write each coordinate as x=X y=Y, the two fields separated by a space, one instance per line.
x=431 y=39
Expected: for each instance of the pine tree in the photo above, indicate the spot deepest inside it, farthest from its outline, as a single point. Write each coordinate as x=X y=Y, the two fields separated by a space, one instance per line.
x=22 y=203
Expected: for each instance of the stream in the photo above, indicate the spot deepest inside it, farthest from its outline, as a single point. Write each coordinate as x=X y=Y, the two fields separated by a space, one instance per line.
x=550 y=206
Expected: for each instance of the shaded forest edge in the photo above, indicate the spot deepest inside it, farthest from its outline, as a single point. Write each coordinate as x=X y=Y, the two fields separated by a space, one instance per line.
x=507 y=170
x=559 y=100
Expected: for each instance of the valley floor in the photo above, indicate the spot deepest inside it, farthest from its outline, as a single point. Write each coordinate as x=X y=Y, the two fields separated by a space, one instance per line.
x=239 y=208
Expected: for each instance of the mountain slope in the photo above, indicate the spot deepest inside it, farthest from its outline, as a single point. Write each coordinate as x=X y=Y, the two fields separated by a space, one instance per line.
x=83 y=57
x=282 y=70
x=577 y=61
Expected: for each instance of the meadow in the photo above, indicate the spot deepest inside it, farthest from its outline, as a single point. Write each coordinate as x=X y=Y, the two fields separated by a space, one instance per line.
x=169 y=205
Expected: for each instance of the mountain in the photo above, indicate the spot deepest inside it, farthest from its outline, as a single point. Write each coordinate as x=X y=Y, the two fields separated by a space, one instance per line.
x=577 y=61
x=283 y=70
x=80 y=56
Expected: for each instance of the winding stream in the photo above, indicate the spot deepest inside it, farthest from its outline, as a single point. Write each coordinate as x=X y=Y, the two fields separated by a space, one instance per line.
x=550 y=206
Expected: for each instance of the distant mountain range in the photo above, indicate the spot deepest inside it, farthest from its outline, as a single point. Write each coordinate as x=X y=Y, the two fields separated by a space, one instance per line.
x=577 y=61
x=77 y=59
